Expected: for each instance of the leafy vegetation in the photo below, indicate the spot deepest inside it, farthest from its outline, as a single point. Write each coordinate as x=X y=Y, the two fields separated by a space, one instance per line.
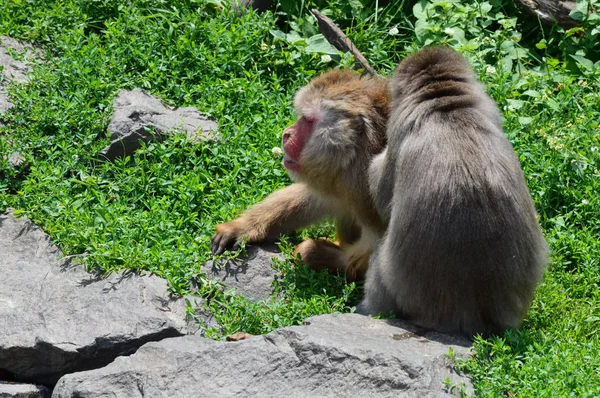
x=156 y=210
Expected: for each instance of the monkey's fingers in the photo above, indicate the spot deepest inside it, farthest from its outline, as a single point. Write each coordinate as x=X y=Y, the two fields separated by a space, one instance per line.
x=220 y=242
x=215 y=244
x=225 y=238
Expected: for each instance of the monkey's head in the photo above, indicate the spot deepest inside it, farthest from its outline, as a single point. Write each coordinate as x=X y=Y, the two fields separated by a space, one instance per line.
x=340 y=126
x=430 y=65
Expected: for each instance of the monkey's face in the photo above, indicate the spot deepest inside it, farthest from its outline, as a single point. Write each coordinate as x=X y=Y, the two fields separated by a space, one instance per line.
x=341 y=123
x=294 y=139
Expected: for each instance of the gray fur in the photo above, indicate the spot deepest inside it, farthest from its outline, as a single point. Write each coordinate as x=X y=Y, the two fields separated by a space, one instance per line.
x=463 y=251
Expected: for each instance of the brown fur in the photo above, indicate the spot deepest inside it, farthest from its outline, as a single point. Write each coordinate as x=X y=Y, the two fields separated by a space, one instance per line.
x=352 y=113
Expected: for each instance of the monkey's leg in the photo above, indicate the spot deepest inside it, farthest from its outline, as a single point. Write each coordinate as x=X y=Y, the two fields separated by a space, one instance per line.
x=381 y=183
x=377 y=298
x=349 y=259
x=321 y=255
x=357 y=258
x=281 y=212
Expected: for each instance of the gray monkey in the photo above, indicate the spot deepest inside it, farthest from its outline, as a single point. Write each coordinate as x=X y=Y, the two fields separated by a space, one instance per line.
x=463 y=250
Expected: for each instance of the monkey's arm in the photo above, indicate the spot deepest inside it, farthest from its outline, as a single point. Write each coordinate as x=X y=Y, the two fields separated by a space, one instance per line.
x=381 y=183
x=281 y=212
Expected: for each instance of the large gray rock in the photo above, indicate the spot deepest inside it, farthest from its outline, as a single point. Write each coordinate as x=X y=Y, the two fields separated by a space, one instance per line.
x=18 y=390
x=332 y=356
x=14 y=69
x=250 y=275
x=55 y=318
x=139 y=116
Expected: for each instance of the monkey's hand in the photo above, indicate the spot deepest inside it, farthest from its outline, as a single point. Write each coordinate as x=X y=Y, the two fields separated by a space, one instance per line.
x=281 y=212
x=230 y=235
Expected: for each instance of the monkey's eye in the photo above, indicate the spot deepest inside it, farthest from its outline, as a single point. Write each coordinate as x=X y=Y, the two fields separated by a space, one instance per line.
x=309 y=119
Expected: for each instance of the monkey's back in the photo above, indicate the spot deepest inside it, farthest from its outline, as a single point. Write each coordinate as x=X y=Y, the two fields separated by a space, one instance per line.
x=463 y=249
x=463 y=238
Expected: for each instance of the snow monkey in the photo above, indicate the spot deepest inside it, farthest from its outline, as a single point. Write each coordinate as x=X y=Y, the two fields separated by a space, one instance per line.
x=463 y=251
x=422 y=181
x=340 y=127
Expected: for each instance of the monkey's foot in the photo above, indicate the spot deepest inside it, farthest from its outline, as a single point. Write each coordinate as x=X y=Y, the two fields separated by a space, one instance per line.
x=322 y=255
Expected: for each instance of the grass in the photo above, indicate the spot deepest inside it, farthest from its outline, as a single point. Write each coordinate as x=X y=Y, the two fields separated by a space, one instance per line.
x=157 y=210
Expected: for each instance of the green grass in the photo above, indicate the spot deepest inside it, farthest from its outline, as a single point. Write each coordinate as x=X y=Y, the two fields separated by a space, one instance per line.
x=157 y=210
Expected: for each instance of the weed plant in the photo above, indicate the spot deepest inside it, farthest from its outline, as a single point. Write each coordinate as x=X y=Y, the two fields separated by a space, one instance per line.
x=156 y=210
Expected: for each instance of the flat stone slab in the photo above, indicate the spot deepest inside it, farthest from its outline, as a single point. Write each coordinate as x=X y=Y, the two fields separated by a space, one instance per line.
x=18 y=390
x=14 y=69
x=250 y=275
x=139 y=116
x=332 y=356
x=55 y=318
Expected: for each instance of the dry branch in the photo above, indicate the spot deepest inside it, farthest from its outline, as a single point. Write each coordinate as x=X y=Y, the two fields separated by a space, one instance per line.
x=339 y=40
x=551 y=11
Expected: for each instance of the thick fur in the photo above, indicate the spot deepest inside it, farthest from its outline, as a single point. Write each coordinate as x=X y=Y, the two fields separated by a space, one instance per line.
x=463 y=251
x=351 y=114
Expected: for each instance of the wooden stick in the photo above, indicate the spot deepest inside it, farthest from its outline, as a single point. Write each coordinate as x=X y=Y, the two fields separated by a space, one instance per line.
x=339 y=40
x=551 y=11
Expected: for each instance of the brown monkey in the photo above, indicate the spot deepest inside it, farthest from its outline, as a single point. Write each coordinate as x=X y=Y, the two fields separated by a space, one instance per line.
x=340 y=127
x=463 y=251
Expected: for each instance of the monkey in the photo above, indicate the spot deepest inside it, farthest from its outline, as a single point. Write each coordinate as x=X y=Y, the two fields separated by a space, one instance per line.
x=462 y=250
x=341 y=125
x=428 y=195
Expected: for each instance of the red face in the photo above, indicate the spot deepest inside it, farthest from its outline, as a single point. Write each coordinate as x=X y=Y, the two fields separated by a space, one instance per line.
x=293 y=140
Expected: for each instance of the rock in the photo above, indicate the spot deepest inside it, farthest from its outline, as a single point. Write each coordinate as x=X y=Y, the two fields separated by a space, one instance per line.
x=332 y=356
x=199 y=318
x=259 y=5
x=5 y=104
x=13 y=69
x=18 y=390
x=55 y=318
x=251 y=275
x=138 y=115
x=16 y=159
x=16 y=70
